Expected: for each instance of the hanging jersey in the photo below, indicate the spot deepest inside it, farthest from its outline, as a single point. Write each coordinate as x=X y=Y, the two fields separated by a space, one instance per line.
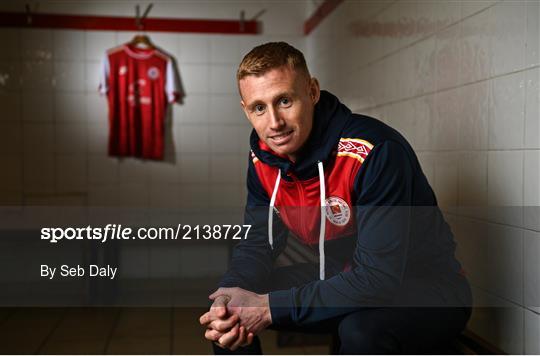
x=139 y=84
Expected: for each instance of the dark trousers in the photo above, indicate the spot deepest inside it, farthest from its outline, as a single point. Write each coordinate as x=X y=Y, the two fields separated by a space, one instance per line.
x=412 y=326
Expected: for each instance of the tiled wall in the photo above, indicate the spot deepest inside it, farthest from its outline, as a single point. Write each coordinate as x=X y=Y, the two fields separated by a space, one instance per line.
x=460 y=80
x=54 y=128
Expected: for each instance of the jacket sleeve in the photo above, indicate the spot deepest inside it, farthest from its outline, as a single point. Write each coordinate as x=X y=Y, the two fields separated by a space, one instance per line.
x=384 y=197
x=252 y=259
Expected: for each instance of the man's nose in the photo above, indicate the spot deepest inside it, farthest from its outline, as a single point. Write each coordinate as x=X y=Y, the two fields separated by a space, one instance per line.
x=276 y=122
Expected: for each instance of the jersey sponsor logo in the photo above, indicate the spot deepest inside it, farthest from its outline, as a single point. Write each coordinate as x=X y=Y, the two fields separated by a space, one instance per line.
x=337 y=211
x=153 y=73
x=355 y=148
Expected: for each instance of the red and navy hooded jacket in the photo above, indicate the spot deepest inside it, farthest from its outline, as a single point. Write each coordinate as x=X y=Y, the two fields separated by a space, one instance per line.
x=357 y=195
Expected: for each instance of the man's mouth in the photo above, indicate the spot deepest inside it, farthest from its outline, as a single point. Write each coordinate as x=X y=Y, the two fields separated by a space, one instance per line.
x=282 y=138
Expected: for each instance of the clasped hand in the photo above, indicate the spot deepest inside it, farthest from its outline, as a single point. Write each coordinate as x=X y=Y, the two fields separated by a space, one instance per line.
x=235 y=317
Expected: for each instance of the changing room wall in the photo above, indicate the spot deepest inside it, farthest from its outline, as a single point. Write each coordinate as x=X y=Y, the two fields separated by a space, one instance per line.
x=459 y=79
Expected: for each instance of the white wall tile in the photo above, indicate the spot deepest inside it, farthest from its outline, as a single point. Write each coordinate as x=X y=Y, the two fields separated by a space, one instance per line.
x=226 y=196
x=11 y=44
x=223 y=79
x=508 y=37
x=505 y=186
x=11 y=172
x=164 y=195
x=69 y=76
x=476 y=47
x=531 y=192
x=68 y=44
x=71 y=138
x=36 y=75
x=164 y=172
x=532 y=112
x=425 y=112
x=97 y=107
x=448 y=57
x=532 y=333
x=531 y=290
x=10 y=75
x=471 y=7
x=446 y=121
x=12 y=141
x=225 y=139
x=225 y=49
x=190 y=261
x=92 y=75
x=38 y=106
x=194 y=49
x=133 y=194
x=70 y=107
x=472 y=240
x=474 y=116
x=98 y=137
x=38 y=138
x=36 y=44
x=165 y=261
x=507 y=120
x=10 y=102
x=39 y=172
x=193 y=139
x=194 y=110
x=225 y=169
x=225 y=109
x=532 y=41
x=71 y=173
x=473 y=183
x=102 y=170
x=102 y=196
x=503 y=318
x=97 y=43
x=134 y=171
x=194 y=168
x=134 y=262
x=505 y=258
x=446 y=180
x=425 y=64
x=196 y=78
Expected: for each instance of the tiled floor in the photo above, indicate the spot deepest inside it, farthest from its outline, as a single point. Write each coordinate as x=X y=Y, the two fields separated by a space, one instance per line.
x=114 y=331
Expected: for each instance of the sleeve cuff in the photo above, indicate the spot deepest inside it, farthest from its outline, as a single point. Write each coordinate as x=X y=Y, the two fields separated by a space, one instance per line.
x=280 y=307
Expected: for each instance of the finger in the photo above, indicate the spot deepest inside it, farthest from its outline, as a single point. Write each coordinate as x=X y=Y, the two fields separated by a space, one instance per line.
x=224 y=324
x=241 y=339
x=212 y=334
x=228 y=338
x=218 y=292
x=249 y=339
x=219 y=307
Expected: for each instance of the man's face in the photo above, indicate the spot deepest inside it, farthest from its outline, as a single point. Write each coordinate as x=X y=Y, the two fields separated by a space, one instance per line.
x=279 y=105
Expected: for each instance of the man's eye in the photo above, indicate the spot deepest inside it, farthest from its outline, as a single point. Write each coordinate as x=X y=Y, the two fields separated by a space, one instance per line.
x=284 y=102
x=258 y=108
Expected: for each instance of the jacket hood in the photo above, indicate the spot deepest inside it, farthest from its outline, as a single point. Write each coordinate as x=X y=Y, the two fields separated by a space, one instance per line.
x=329 y=118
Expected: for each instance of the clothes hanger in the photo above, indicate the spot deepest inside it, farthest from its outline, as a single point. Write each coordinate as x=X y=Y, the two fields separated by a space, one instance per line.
x=141 y=40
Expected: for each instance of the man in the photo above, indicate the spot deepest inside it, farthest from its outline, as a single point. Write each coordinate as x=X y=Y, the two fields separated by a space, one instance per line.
x=351 y=188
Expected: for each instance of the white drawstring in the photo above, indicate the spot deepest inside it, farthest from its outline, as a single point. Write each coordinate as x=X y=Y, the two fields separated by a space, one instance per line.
x=323 y=219
x=271 y=210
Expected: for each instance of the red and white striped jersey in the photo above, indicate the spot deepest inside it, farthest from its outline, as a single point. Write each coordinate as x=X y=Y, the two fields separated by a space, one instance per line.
x=139 y=83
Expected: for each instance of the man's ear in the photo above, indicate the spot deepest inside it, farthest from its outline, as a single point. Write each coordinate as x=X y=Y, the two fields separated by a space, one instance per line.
x=243 y=105
x=314 y=90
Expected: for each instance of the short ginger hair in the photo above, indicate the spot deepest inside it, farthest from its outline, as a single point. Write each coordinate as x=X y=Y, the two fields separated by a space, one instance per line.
x=269 y=56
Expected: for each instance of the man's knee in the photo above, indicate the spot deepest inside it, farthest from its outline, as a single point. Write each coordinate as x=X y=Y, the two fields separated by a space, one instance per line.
x=357 y=336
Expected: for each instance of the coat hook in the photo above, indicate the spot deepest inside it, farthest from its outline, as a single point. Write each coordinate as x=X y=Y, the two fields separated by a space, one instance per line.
x=28 y=14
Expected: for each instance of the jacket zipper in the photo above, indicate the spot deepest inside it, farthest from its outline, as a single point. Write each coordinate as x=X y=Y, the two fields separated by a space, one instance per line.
x=303 y=203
